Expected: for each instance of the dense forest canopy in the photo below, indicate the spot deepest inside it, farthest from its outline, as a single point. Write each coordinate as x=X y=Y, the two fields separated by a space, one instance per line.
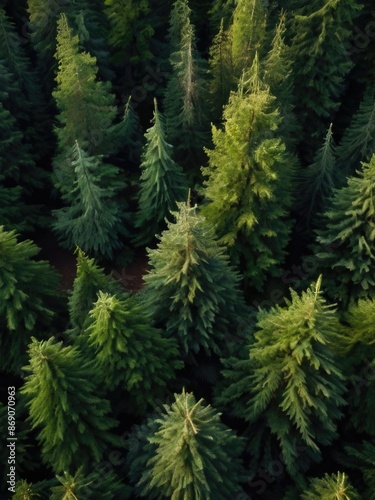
x=187 y=249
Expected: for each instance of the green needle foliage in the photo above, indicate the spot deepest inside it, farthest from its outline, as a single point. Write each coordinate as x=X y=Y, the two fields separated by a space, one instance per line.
x=66 y=407
x=94 y=217
x=290 y=388
x=193 y=454
x=358 y=141
x=27 y=289
x=345 y=240
x=191 y=288
x=128 y=351
x=89 y=280
x=85 y=104
x=319 y=179
x=365 y=462
x=248 y=181
x=162 y=182
x=186 y=92
x=331 y=487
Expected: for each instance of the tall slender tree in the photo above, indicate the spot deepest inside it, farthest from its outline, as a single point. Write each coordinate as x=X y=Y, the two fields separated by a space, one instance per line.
x=162 y=182
x=248 y=182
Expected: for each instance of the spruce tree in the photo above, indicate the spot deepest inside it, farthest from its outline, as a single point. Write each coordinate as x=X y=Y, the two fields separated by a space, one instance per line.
x=358 y=141
x=248 y=182
x=89 y=280
x=186 y=92
x=85 y=104
x=162 y=182
x=27 y=290
x=130 y=30
x=290 y=387
x=321 y=62
x=331 y=487
x=191 y=454
x=190 y=287
x=94 y=217
x=345 y=240
x=319 y=179
x=66 y=407
x=248 y=33
x=128 y=351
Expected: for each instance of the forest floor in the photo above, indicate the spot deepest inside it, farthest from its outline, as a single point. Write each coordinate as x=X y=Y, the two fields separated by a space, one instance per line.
x=131 y=276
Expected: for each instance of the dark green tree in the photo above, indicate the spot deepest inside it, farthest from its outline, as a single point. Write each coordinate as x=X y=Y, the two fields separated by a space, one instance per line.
x=128 y=351
x=188 y=454
x=290 y=386
x=190 y=287
x=345 y=240
x=321 y=62
x=186 y=93
x=66 y=407
x=319 y=179
x=358 y=141
x=130 y=30
x=85 y=104
x=94 y=217
x=331 y=487
x=27 y=290
x=248 y=182
x=162 y=182
x=365 y=462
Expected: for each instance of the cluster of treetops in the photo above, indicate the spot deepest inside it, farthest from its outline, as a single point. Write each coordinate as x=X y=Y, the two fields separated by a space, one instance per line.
x=232 y=141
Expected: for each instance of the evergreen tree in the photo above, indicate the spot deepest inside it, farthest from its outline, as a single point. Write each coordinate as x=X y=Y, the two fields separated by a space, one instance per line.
x=193 y=454
x=85 y=104
x=66 y=407
x=358 y=141
x=130 y=31
x=94 y=217
x=331 y=487
x=248 y=182
x=321 y=62
x=89 y=280
x=345 y=241
x=128 y=351
x=248 y=33
x=319 y=179
x=186 y=92
x=27 y=289
x=162 y=182
x=190 y=288
x=290 y=387
x=365 y=456
x=221 y=70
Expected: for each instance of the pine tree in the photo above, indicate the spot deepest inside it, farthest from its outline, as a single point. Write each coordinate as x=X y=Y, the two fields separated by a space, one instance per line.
x=66 y=407
x=290 y=387
x=27 y=290
x=89 y=280
x=128 y=351
x=162 y=182
x=358 y=141
x=130 y=31
x=94 y=217
x=248 y=33
x=345 y=241
x=191 y=288
x=221 y=71
x=85 y=104
x=319 y=179
x=331 y=487
x=248 y=179
x=193 y=455
x=186 y=92
x=321 y=62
